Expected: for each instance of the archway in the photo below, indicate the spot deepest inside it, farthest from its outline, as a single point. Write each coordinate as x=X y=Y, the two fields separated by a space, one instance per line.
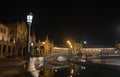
x=8 y=51
x=13 y=51
x=36 y=51
x=12 y=39
x=42 y=50
x=4 y=50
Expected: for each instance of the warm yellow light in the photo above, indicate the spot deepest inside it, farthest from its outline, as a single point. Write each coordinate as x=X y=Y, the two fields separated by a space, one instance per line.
x=70 y=75
x=43 y=42
x=55 y=47
x=72 y=71
x=70 y=46
x=14 y=41
x=68 y=41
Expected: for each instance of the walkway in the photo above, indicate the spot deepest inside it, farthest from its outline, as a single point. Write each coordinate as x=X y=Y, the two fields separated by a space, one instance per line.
x=11 y=66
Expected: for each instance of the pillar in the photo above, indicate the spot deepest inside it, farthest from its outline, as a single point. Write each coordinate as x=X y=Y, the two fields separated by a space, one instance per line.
x=6 y=51
x=11 y=50
x=1 y=51
x=22 y=51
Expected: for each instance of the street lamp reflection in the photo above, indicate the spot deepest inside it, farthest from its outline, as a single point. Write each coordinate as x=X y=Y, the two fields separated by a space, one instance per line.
x=72 y=71
x=32 y=44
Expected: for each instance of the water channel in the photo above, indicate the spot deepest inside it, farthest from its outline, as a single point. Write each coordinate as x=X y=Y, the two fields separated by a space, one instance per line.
x=65 y=69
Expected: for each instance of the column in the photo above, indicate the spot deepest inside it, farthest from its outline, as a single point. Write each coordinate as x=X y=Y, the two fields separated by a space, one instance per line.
x=22 y=51
x=11 y=47
x=16 y=51
x=6 y=51
x=1 y=50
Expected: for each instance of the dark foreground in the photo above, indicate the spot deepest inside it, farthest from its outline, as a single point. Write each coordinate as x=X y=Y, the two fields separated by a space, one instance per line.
x=12 y=68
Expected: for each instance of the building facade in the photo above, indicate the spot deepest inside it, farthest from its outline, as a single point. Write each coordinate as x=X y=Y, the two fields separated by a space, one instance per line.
x=4 y=40
x=13 y=41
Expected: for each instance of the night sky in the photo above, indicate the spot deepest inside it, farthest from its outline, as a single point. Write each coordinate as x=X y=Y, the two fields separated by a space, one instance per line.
x=97 y=23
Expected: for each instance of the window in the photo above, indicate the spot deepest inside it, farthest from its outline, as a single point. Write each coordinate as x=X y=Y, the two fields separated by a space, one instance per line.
x=12 y=32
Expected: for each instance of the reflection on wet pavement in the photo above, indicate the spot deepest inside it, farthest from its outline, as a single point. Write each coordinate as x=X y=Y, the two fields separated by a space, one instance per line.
x=46 y=70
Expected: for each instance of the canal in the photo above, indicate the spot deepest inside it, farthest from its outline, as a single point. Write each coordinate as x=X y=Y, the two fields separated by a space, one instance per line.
x=71 y=70
x=37 y=67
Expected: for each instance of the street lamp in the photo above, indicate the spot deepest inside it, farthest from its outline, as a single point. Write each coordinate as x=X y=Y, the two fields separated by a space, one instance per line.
x=29 y=21
x=85 y=42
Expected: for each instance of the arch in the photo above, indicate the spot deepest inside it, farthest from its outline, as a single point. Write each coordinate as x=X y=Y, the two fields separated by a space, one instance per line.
x=20 y=51
x=24 y=51
x=36 y=51
x=0 y=48
x=42 y=50
x=57 y=63
x=12 y=38
x=13 y=51
x=4 y=49
x=9 y=50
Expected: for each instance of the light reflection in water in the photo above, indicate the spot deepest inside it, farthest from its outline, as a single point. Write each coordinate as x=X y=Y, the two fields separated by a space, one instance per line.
x=56 y=70
x=72 y=71
x=83 y=67
x=40 y=70
x=34 y=64
x=71 y=76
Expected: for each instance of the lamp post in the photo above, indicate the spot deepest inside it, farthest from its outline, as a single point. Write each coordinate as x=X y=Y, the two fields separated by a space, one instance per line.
x=29 y=21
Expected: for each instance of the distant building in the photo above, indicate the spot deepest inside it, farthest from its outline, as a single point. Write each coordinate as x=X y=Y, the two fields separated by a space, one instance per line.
x=117 y=44
x=48 y=45
x=13 y=42
x=77 y=47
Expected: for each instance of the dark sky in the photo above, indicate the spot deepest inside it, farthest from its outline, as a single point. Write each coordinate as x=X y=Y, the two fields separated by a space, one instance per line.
x=96 y=22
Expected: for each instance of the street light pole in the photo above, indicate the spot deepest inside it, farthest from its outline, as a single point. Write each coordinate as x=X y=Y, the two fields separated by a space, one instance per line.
x=29 y=21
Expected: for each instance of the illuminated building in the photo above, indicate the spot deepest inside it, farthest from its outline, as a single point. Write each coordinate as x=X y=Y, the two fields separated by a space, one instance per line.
x=13 y=41
x=4 y=40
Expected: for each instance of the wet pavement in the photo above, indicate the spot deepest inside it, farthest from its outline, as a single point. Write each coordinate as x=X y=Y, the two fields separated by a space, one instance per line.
x=10 y=67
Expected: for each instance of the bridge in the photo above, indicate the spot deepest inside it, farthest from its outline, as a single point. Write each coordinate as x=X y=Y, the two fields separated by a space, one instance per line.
x=54 y=60
x=56 y=54
x=57 y=60
x=60 y=59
